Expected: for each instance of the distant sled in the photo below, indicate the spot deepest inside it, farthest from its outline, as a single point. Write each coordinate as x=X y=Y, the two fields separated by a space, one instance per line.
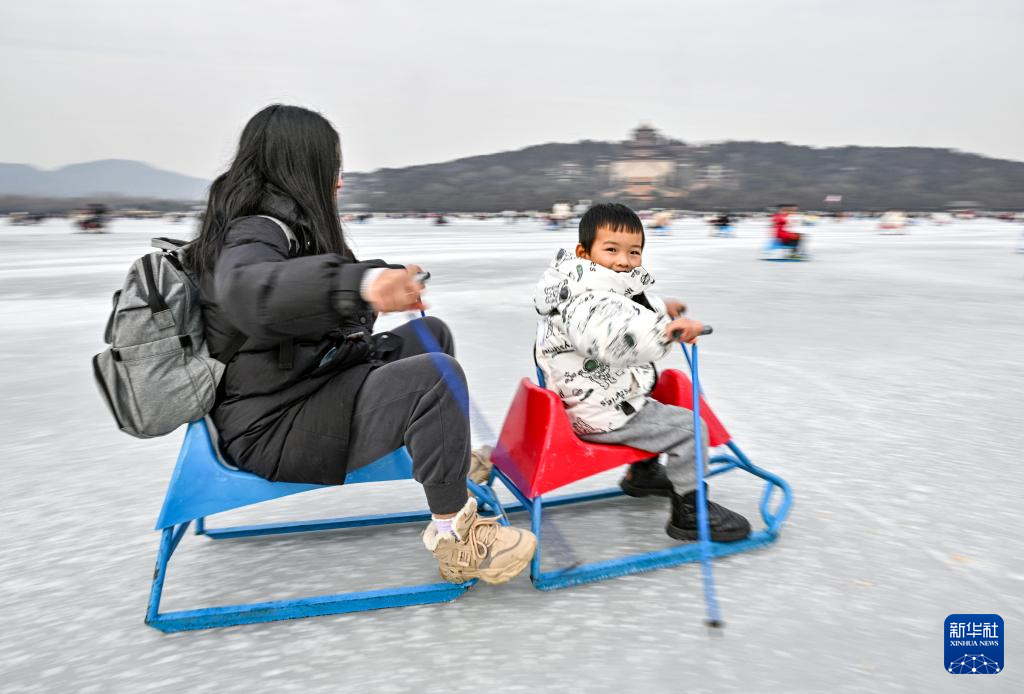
x=893 y=223
x=775 y=251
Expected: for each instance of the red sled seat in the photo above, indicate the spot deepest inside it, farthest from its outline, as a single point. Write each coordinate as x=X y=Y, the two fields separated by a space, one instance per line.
x=539 y=452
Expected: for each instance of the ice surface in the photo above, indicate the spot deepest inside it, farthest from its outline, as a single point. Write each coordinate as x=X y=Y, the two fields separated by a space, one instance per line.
x=883 y=380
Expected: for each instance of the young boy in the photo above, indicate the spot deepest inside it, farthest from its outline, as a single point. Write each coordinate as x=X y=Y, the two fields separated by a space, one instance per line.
x=600 y=332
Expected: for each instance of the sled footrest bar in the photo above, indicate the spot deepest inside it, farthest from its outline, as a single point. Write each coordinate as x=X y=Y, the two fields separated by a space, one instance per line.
x=309 y=526
x=316 y=525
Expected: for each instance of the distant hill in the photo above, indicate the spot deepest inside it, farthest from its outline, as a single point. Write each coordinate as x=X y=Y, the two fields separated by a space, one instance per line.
x=109 y=177
x=734 y=175
x=525 y=179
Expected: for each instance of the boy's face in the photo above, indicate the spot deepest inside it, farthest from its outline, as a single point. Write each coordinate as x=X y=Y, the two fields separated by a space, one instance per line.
x=620 y=251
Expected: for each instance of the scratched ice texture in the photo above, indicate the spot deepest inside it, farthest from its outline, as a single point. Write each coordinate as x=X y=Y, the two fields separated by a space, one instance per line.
x=884 y=380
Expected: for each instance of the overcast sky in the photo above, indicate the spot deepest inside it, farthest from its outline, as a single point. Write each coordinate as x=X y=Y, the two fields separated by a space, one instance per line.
x=413 y=82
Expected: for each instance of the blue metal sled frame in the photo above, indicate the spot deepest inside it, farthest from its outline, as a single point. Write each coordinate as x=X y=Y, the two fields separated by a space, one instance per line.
x=340 y=603
x=180 y=511
x=637 y=563
x=296 y=608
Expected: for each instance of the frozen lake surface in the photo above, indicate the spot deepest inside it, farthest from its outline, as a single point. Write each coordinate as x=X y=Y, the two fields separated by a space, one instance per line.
x=884 y=380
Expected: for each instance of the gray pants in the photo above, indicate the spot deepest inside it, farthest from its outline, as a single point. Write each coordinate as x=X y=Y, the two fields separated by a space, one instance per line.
x=662 y=429
x=409 y=402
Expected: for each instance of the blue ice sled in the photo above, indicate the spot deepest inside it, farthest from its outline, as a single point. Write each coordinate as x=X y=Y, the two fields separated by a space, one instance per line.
x=202 y=485
x=776 y=251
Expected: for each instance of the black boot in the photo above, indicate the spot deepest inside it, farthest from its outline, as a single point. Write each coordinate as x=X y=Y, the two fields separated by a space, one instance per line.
x=646 y=478
x=724 y=525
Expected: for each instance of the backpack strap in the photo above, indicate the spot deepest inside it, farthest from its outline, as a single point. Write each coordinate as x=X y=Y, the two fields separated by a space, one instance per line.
x=157 y=306
x=293 y=241
x=167 y=244
x=286 y=354
x=286 y=348
x=234 y=344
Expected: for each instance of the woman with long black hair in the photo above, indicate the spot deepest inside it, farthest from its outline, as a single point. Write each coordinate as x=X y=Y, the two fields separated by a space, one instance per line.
x=309 y=392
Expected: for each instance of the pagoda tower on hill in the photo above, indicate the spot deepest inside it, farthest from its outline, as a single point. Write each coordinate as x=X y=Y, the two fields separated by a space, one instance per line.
x=650 y=168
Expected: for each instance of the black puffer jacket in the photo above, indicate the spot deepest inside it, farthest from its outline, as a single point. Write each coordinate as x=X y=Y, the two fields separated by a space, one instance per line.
x=279 y=413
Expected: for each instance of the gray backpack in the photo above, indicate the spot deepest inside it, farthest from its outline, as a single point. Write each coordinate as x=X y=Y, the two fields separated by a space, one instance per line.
x=157 y=373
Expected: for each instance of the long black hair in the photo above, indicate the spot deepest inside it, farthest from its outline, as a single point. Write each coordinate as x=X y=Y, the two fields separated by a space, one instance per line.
x=287 y=165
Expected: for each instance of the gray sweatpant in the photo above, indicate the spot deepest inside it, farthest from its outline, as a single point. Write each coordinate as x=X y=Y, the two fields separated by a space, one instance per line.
x=409 y=402
x=663 y=429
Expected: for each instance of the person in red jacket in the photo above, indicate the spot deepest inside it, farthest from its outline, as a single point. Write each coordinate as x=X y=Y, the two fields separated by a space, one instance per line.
x=783 y=234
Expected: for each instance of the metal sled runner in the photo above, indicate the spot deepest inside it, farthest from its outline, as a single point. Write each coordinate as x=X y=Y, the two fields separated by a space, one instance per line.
x=202 y=485
x=538 y=452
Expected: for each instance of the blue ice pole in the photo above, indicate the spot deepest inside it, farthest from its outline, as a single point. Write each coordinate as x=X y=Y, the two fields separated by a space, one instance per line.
x=689 y=363
x=455 y=386
x=447 y=374
x=477 y=420
x=714 y=619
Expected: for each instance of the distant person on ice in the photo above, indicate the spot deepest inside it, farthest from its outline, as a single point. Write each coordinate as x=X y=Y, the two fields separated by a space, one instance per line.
x=601 y=330
x=783 y=233
x=311 y=392
x=722 y=224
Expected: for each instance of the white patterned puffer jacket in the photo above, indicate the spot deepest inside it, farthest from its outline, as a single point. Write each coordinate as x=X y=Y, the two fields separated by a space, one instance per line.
x=595 y=344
